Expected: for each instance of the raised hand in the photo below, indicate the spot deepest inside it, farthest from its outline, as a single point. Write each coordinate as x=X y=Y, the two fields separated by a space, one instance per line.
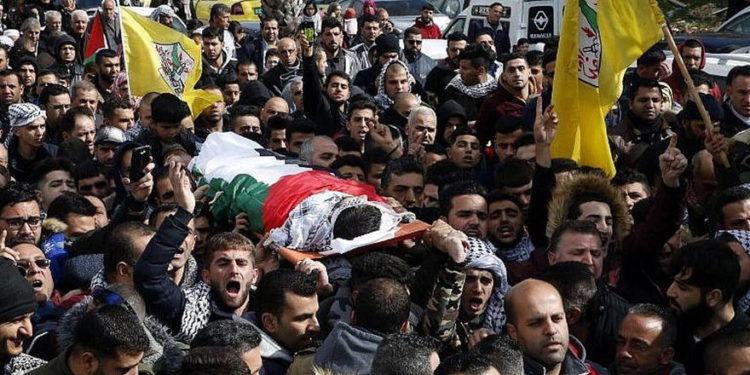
x=181 y=185
x=448 y=240
x=308 y=266
x=545 y=124
x=141 y=189
x=5 y=251
x=672 y=164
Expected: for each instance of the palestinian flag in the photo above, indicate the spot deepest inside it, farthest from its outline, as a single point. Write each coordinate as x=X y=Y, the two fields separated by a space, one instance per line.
x=242 y=175
x=95 y=40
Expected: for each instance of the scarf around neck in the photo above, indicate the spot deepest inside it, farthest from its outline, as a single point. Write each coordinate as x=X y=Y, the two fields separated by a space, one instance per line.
x=382 y=99
x=477 y=91
x=520 y=252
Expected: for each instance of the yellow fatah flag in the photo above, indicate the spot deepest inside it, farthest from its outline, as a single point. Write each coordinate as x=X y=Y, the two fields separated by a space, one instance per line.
x=599 y=40
x=161 y=59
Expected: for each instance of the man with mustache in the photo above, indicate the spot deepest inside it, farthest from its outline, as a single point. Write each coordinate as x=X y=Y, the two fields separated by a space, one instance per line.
x=645 y=123
x=506 y=230
x=107 y=63
x=446 y=69
x=229 y=272
x=286 y=306
x=50 y=303
x=707 y=275
x=338 y=58
x=645 y=342
x=20 y=215
x=464 y=207
x=536 y=320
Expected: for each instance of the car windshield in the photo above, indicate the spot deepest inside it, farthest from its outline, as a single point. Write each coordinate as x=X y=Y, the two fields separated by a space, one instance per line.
x=740 y=24
x=396 y=8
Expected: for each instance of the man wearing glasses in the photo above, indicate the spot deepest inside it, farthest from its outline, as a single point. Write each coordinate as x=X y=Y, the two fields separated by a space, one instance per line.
x=20 y=215
x=36 y=268
x=419 y=64
x=55 y=101
x=289 y=68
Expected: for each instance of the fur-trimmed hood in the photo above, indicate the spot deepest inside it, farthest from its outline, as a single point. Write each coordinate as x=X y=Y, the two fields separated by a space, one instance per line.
x=54 y=225
x=563 y=196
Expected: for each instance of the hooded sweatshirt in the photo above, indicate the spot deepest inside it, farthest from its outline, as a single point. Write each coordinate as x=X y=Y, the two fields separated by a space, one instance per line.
x=448 y=109
x=676 y=78
x=348 y=349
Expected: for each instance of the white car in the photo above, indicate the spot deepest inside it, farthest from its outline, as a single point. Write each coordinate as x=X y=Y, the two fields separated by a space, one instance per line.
x=402 y=13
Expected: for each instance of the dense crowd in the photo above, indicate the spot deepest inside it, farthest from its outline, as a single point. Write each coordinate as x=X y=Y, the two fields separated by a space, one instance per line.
x=120 y=259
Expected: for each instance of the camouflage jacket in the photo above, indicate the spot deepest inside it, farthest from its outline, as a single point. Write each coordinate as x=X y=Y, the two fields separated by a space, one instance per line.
x=441 y=319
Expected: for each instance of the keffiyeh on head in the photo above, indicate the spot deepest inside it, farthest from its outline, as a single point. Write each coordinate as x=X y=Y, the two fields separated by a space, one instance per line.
x=162 y=10
x=382 y=98
x=22 y=114
x=482 y=256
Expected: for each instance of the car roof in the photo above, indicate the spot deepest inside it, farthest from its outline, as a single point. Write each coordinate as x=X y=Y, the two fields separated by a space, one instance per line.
x=739 y=14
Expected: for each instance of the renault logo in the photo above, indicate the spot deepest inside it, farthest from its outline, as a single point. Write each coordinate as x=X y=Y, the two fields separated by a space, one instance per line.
x=540 y=20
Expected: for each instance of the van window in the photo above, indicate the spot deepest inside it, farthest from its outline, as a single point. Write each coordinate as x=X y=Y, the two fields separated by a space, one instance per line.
x=456 y=26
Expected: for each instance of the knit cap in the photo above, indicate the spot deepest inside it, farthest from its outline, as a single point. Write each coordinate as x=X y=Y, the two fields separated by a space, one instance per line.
x=16 y=296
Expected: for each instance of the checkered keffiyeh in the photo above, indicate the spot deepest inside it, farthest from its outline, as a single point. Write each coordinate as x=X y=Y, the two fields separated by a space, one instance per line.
x=481 y=255
x=743 y=237
x=23 y=114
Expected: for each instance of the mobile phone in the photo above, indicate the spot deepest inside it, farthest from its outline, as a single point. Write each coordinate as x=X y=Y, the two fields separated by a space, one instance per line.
x=308 y=30
x=139 y=159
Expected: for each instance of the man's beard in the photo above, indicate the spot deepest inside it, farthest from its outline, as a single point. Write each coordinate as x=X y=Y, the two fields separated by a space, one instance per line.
x=107 y=78
x=332 y=48
x=426 y=21
x=410 y=54
x=696 y=316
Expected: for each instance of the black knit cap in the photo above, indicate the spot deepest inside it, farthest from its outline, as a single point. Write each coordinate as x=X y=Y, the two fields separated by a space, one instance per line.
x=713 y=107
x=386 y=43
x=16 y=295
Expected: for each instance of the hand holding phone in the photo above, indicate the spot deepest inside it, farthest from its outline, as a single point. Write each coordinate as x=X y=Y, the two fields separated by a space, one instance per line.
x=139 y=159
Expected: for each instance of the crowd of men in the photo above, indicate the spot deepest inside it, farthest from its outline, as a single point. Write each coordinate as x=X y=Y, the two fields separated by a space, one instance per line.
x=531 y=264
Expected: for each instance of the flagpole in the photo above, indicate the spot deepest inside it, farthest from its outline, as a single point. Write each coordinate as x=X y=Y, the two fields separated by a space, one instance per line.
x=693 y=91
x=124 y=58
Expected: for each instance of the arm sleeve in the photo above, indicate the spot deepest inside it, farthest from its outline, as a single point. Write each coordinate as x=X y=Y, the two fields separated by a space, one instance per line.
x=316 y=105
x=662 y=221
x=444 y=304
x=164 y=299
x=541 y=194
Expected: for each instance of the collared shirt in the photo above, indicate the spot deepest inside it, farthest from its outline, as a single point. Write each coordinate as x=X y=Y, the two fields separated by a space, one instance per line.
x=742 y=118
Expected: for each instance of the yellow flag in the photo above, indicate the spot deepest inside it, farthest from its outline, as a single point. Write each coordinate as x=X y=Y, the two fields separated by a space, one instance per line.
x=599 y=40
x=161 y=59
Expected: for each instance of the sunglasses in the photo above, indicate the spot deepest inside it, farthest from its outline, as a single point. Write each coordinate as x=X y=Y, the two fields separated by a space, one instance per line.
x=414 y=41
x=23 y=266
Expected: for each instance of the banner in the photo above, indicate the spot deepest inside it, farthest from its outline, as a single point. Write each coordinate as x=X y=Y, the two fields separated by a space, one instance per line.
x=161 y=59
x=598 y=41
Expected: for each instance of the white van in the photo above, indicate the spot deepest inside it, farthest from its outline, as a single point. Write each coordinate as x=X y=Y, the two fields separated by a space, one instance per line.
x=535 y=20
